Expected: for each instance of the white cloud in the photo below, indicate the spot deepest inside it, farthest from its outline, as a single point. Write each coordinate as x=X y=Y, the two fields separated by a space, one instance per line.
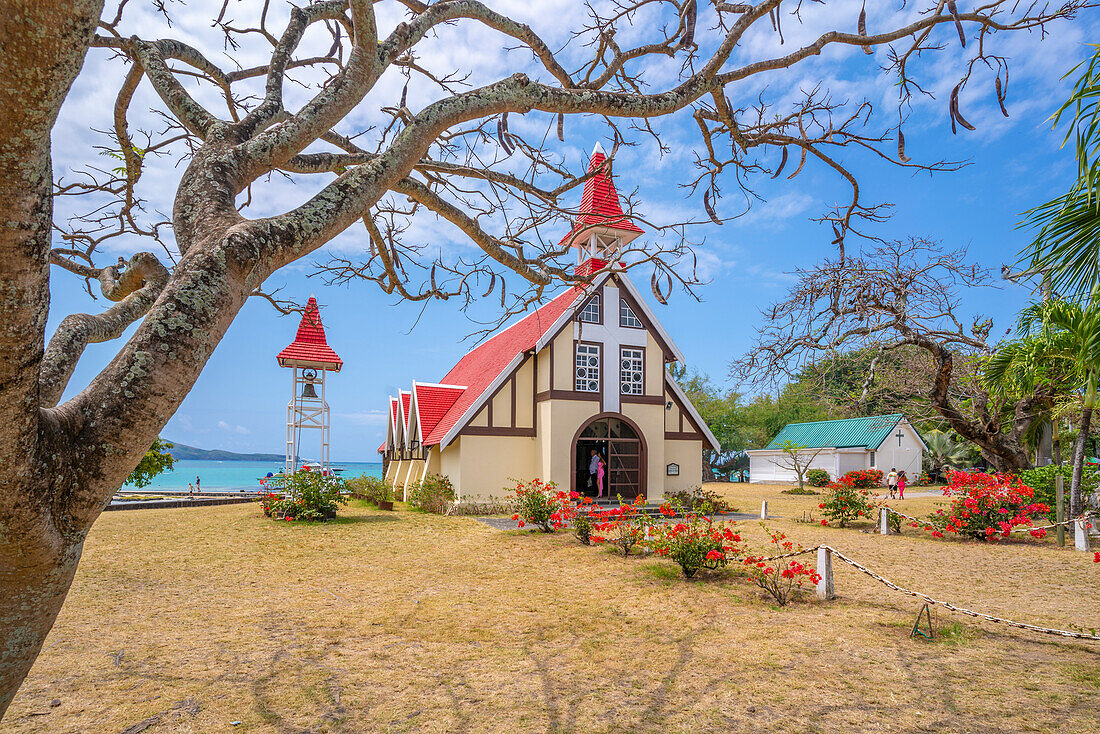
x=234 y=428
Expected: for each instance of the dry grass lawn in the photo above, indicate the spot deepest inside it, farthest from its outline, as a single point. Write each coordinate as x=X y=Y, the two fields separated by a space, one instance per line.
x=408 y=622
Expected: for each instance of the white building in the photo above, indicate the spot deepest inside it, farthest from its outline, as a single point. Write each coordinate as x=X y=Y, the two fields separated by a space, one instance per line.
x=881 y=442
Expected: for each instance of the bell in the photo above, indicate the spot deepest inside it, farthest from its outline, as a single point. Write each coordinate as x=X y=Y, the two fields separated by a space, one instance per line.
x=308 y=391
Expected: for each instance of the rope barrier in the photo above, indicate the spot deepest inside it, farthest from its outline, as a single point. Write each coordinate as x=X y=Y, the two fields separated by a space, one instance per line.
x=947 y=605
x=1027 y=529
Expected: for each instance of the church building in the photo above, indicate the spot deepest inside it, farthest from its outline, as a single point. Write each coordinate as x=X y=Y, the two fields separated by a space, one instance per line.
x=881 y=442
x=584 y=375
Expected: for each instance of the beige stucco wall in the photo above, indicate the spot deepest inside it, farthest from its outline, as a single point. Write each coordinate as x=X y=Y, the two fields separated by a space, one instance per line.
x=689 y=455
x=525 y=394
x=543 y=358
x=502 y=405
x=487 y=465
x=654 y=367
x=672 y=417
x=563 y=360
x=450 y=464
x=481 y=419
x=565 y=419
x=432 y=460
x=651 y=421
x=393 y=471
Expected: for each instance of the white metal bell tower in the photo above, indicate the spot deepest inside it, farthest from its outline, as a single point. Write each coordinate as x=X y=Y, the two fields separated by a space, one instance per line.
x=310 y=359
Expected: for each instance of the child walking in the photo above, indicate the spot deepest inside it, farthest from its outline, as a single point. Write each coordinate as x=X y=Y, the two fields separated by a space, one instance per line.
x=901 y=485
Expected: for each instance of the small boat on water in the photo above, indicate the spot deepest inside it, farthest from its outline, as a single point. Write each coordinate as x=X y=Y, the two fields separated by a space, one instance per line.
x=306 y=466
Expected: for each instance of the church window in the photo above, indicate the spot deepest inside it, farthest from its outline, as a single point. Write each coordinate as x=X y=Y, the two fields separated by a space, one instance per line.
x=627 y=317
x=591 y=311
x=588 y=368
x=632 y=371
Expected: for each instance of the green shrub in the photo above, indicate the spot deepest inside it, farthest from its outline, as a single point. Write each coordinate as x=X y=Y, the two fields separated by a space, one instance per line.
x=582 y=528
x=695 y=543
x=432 y=494
x=304 y=495
x=844 y=504
x=796 y=490
x=701 y=500
x=1041 y=479
x=817 y=478
x=371 y=489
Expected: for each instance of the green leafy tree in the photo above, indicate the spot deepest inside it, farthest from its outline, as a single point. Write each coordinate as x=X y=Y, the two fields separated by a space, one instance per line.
x=157 y=460
x=1060 y=342
x=944 y=453
x=719 y=409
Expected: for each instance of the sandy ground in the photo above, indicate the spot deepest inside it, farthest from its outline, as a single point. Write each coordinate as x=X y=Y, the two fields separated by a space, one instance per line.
x=190 y=620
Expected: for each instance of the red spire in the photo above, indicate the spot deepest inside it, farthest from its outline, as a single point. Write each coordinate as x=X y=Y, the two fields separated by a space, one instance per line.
x=600 y=202
x=310 y=348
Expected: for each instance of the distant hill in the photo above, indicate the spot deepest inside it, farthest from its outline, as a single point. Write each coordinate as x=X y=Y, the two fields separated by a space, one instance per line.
x=190 y=453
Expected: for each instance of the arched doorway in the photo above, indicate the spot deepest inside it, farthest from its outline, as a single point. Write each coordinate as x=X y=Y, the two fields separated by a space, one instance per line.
x=620 y=443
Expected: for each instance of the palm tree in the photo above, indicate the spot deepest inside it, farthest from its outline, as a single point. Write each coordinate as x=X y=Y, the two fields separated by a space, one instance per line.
x=944 y=453
x=1060 y=341
x=1066 y=249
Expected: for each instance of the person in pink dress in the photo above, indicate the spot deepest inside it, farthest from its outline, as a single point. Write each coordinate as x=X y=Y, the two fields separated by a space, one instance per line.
x=901 y=485
x=599 y=474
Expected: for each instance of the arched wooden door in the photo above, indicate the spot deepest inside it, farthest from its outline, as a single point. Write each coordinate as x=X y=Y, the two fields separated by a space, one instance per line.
x=621 y=445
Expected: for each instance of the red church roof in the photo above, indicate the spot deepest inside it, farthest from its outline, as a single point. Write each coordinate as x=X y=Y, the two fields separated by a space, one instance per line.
x=406 y=398
x=310 y=348
x=600 y=202
x=433 y=402
x=479 y=368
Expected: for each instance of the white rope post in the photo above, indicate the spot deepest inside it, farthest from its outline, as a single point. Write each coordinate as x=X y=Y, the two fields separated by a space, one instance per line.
x=884 y=521
x=825 y=589
x=1060 y=510
x=764 y=510
x=1081 y=534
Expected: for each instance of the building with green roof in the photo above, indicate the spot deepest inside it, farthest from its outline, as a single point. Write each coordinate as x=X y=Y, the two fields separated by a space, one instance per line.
x=882 y=442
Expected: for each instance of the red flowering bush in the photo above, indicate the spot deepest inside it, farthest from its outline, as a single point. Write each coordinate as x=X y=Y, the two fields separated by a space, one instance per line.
x=695 y=542
x=988 y=506
x=623 y=526
x=782 y=578
x=862 y=478
x=845 y=502
x=541 y=504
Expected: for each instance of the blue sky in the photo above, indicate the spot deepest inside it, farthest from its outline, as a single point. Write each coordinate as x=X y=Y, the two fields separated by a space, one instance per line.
x=239 y=401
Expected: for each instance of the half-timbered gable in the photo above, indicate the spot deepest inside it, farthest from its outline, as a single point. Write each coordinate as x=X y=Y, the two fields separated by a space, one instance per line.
x=584 y=377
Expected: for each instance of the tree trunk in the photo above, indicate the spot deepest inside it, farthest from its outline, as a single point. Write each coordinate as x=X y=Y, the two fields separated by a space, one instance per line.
x=1044 y=451
x=1004 y=451
x=44 y=43
x=1076 y=501
x=1056 y=441
x=30 y=598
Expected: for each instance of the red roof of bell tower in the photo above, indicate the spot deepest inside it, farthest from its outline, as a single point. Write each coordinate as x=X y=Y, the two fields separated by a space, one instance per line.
x=310 y=347
x=600 y=205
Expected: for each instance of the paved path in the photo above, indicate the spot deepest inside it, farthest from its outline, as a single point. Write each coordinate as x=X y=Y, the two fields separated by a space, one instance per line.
x=204 y=501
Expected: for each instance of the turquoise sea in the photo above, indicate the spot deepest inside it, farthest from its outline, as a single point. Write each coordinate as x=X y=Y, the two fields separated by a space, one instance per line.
x=239 y=474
